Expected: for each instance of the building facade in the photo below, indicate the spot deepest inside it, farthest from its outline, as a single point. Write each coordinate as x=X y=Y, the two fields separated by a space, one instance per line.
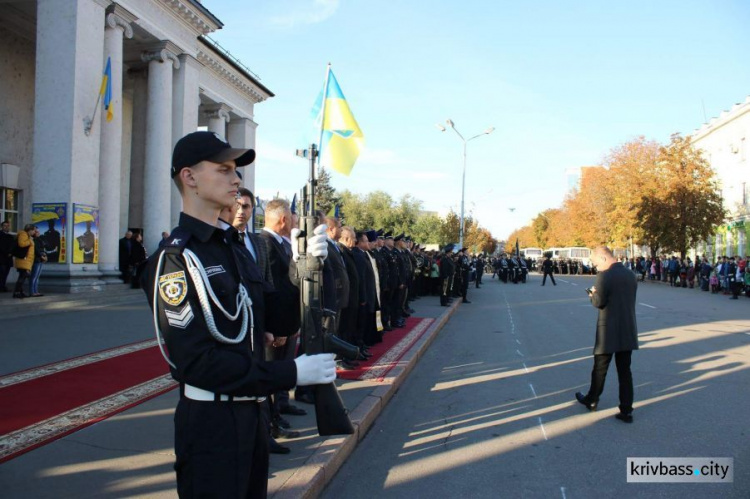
x=723 y=141
x=167 y=80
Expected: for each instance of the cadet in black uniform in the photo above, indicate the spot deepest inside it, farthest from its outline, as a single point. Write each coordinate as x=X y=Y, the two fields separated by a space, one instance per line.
x=203 y=311
x=547 y=269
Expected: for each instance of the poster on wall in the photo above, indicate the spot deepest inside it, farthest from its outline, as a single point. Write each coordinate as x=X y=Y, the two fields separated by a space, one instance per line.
x=86 y=233
x=51 y=220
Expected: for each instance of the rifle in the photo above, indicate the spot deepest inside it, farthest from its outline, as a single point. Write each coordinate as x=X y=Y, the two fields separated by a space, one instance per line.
x=331 y=415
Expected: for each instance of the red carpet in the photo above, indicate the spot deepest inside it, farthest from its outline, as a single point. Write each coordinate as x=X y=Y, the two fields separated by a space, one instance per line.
x=385 y=355
x=43 y=404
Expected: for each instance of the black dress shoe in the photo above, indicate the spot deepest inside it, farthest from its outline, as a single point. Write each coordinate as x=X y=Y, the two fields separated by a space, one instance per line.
x=305 y=397
x=277 y=432
x=465 y=301
x=293 y=410
x=387 y=328
x=281 y=422
x=275 y=448
x=625 y=418
x=591 y=406
x=346 y=365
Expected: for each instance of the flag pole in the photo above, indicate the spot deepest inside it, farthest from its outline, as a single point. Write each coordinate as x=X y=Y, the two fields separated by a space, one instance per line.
x=89 y=122
x=323 y=110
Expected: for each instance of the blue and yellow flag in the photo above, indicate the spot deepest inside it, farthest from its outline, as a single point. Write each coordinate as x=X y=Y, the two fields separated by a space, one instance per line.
x=341 y=138
x=106 y=91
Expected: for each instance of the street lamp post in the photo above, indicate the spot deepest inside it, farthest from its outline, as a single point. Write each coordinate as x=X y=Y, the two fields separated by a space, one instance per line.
x=450 y=123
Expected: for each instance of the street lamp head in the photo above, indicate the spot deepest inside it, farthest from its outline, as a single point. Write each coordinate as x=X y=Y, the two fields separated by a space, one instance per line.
x=489 y=130
x=440 y=127
x=450 y=123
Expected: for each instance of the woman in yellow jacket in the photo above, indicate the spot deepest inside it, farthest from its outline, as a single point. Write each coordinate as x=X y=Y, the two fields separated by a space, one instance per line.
x=23 y=265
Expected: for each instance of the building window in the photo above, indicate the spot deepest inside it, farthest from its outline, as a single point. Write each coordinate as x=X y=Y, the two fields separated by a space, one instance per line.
x=9 y=206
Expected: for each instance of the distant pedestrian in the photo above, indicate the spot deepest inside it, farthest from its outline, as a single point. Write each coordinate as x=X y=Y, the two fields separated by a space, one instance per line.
x=547 y=269
x=125 y=247
x=616 y=331
x=40 y=258
x=7 y=241
x=138 y=257
x=24 y=263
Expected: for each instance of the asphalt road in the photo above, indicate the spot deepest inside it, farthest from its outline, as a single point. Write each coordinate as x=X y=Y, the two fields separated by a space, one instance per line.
x=490 y=412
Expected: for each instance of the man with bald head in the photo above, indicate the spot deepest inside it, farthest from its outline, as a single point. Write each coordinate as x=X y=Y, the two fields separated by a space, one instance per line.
x=616 y=330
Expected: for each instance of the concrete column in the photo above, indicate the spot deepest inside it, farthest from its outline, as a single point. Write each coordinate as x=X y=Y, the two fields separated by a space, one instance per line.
x=157 y=180
x=186 y=101
x=68 y=76
x=241 y=134
x=218 y=117
x=117 y=24
x=138 y=147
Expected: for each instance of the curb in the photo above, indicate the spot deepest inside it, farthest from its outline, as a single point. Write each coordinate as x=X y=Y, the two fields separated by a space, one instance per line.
x=311 y=478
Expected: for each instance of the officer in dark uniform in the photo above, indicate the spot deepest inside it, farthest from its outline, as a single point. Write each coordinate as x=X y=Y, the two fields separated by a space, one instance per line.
x=463 y=269
x=547 y=269
x=446 y=275
x=202 y=305
x=394 y=280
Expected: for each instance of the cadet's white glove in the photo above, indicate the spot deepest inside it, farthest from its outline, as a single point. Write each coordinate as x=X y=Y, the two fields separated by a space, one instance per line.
x=317 y=369
x=317 y=244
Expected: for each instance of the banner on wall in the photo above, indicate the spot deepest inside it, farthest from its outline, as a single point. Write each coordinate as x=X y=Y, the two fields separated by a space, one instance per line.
x=51 y=220
x=86 y=233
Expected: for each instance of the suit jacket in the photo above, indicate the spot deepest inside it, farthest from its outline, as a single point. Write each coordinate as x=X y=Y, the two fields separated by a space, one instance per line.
x=124 y=253
x=366 y=279
x=340 y=276
x=282 y=305
x=351 y=271
x=616 y=328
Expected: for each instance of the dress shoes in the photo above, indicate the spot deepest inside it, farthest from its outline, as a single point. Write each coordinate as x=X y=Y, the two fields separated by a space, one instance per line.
x=292 y=410
x=282 y=433
x=465 y=301
x=275 y=448
x=387 y=328
x=591 y=406
x=346 y=365
x=625 y=418
x=281 y=422
x=305 y=397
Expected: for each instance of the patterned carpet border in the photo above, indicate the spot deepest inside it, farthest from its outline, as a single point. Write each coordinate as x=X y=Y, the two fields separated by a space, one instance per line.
x=389 y=360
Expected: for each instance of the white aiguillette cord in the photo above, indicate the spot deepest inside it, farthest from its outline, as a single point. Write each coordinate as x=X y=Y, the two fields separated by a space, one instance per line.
x=200 y=279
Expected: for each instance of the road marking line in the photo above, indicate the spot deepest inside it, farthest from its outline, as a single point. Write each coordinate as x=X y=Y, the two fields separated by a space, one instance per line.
x=646 y=305
x=544 y=432
x=519 y=353
x=527 y=369
x=532 y=390
x=518 y=341
x=574 y=283
x=562 y=489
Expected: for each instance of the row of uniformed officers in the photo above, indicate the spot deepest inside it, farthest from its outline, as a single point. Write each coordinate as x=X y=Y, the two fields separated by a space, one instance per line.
x=226 y=312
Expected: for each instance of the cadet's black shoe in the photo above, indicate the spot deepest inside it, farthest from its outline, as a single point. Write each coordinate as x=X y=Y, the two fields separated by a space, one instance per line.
x=625 y=418
x=275 y=448
x=465 y=301
x=591 y=406
x=281 y=422
x=293 y=410
x=304 y=397
x=282 y=433
x=387 y=328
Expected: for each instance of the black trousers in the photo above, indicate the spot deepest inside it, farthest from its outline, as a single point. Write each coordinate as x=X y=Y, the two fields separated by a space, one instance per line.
x=4 y=270
x=552 y=278
x=22 y=276
x=284 y=352
x=624 y=376
x=221 y=449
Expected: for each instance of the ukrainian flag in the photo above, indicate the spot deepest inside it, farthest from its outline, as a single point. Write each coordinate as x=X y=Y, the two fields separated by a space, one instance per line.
x=341 y=138
x=106 y=90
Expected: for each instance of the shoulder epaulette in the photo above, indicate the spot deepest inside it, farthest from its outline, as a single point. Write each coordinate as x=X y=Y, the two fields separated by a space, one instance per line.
x=177 y=241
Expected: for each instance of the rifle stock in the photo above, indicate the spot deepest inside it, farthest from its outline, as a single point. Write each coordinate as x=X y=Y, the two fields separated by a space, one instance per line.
x=331 y=414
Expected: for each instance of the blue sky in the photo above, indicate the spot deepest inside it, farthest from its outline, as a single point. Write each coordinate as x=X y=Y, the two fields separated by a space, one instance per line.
x=561 y=82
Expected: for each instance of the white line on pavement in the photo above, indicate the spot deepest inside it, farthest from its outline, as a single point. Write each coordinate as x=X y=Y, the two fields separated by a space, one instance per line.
x=519 y=353
x=646 y=305
x=574 y=283
x=518 y=341
x=562 y=489
x=527 y=369
x=563 y=280
x=542 y=426
x=532 y=390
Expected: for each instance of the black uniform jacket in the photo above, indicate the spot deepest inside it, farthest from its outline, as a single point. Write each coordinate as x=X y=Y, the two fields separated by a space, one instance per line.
x=366 y=279
x=282 y=307
x=340 y=277
x=616 y=328
x=351 y=270
x=201 y=360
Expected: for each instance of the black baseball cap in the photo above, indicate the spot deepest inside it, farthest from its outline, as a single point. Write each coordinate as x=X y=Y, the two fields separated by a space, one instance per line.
x=207 y=146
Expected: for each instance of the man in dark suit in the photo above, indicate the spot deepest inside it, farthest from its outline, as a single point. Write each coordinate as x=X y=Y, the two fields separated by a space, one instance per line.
x=349 y=314
x=340 y=277
x=616 y=330
x=125 y=247
x=367 y=298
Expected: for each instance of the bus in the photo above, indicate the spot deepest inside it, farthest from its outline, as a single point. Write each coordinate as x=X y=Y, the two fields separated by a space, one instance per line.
x=579 y=254
x=533 y=253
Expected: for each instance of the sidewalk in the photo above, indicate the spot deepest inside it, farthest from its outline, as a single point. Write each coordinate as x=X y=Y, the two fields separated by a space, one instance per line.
x=131 y=453
x=13 y=308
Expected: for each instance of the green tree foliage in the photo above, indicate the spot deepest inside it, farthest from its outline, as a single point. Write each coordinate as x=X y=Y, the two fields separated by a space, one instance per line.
x=325 y=193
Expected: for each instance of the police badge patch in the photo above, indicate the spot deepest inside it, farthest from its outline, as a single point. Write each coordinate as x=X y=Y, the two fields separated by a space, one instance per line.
x=173 y=288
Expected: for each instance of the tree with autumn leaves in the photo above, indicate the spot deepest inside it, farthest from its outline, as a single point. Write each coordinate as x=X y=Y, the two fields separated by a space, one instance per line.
x=663 y=196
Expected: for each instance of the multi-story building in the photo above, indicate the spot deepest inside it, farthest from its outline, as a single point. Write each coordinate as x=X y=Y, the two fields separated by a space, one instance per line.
x=724 y=143
x=167 y=79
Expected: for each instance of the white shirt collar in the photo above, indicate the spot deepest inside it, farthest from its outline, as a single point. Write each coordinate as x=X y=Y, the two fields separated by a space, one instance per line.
x=278 y=238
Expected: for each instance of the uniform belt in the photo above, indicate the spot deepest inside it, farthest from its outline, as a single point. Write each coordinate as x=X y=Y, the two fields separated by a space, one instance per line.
x=201 y=395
